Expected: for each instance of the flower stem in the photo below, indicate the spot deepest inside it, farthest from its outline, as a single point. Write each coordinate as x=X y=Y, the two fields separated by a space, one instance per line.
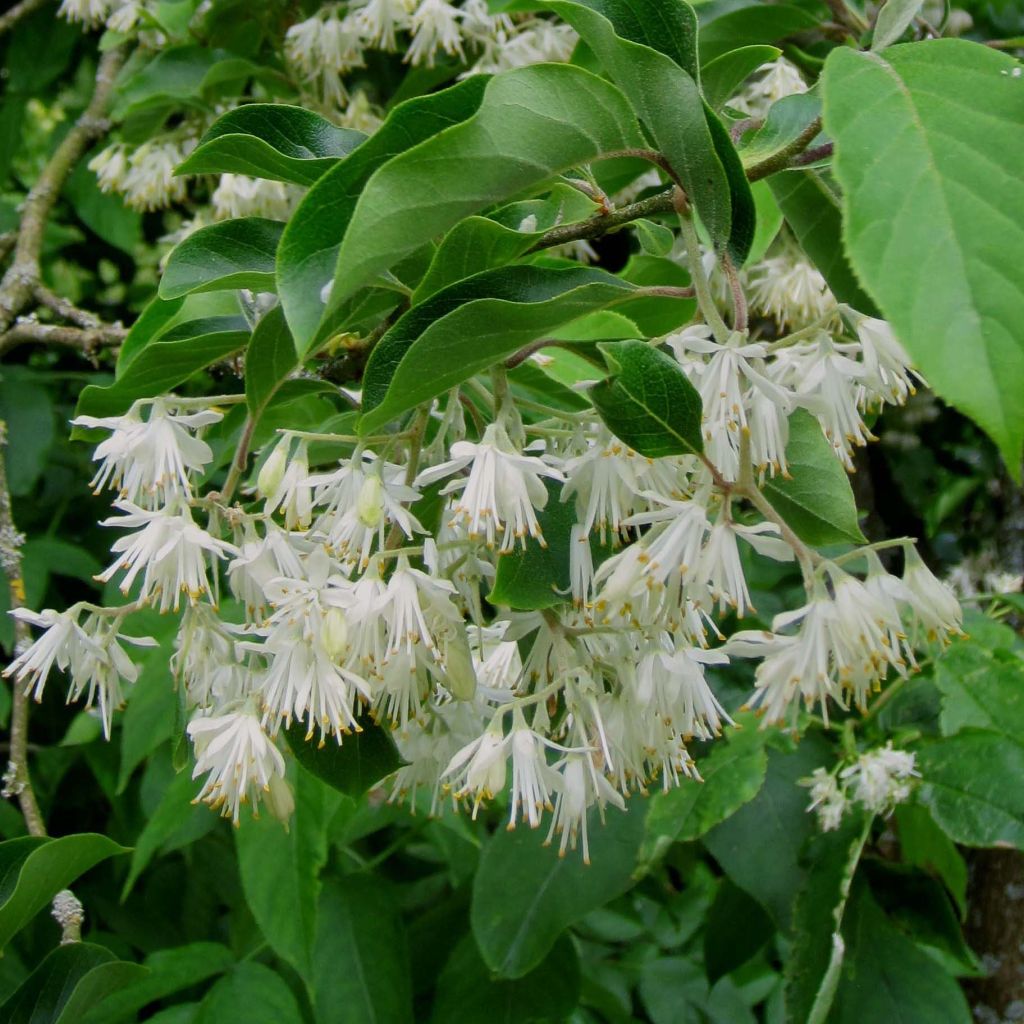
x=701 y=285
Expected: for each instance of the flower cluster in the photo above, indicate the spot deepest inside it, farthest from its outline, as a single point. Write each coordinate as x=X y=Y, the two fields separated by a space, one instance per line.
x=878 y=780
x=332 y=597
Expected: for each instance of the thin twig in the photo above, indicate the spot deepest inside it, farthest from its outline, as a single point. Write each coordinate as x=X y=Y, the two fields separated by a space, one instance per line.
x=17 y=780
x=604 y=223
x=86 y=340
x=20 y=283
x=66 y=309
x=780 y=160
x=11 y=18
x=240 y=461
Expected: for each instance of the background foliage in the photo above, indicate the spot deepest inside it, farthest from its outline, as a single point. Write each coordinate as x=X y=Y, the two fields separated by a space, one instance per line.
x=715 y=902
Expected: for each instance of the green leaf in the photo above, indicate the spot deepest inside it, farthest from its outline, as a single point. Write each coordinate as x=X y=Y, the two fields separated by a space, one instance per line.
x=810 y=204
x=655 y=239
x=170 y=971
x=650 y=55
x=648 y=402
x=721 y=78
x=472 y=325
x=361 y=961
x=27 y=410
x=173 y=814
x=924 y=845
x=525 y=895
x=353 y=766
x=280 y=871
x=269 y=360
x=250 y=993
x=656 y=316
x=271 y=140
x=756 y=23
x=165 y=363
x=964 y=785
x=532 y=123
x=895 y=17
x=816 y=499
x=815 y=958
x=786 y=121
x=178 y=75
x=70 y=980
x=759 y=845
x=933 y=215
x=769 y=220
x=981 y=688
x=737 y=927
x=732 y=773
x=155 y=318
x=539 y=576
x=149 y=718
x=307 y=258
x=103 y=212
x=33 y=869
x=233 y=254
x=468 y=993
x=473 y=245
x=885 y=977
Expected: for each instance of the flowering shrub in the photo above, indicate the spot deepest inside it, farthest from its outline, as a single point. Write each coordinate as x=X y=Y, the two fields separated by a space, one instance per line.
x=481 y=455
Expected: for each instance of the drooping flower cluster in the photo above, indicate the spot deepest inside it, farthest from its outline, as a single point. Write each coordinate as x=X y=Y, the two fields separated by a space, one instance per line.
x=351 y=602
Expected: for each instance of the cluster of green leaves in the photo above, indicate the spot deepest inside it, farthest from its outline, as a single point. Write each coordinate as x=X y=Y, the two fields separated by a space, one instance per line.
x=714 y=902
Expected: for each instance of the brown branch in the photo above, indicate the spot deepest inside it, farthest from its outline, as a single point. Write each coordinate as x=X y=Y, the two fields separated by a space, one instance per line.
x=782 y=159
x=813 y=155
x=16 y=779
x=87 y=340
x=11 y=18
x=19 y=284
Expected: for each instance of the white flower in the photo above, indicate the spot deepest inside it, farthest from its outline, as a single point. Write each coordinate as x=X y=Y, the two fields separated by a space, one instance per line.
x=478 y=769
x=828 y=799
x=239 y=196
x=293 y=493
x=826 y=383
x=411 y=598
x=150 y=182
x=579 y=787
x=502 y=491
x=532 y=778
x=260 y=560
x=435 y=26
x=934 y=605
x=672 y=685
x=887 y=374
x=789 y=289
x=91 y=653
x=362 y=499
x=380 y=20
x=606 y=480
x=241 y=762
x=720 y=560
x=61 y=643
x=168 y=548
x=149 y=461
x=89 y=12
x=111 y=168
x=881 y=777
x=777 y=79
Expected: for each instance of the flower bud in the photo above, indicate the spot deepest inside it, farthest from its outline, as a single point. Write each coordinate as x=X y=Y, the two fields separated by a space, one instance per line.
x=272 y=472
x=369 y=504
x=460 y=676
x=334 y=634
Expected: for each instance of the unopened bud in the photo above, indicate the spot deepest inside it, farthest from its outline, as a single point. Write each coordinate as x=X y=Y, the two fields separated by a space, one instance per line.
x=369 y=505
x=272 y=472
x=334 y=634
